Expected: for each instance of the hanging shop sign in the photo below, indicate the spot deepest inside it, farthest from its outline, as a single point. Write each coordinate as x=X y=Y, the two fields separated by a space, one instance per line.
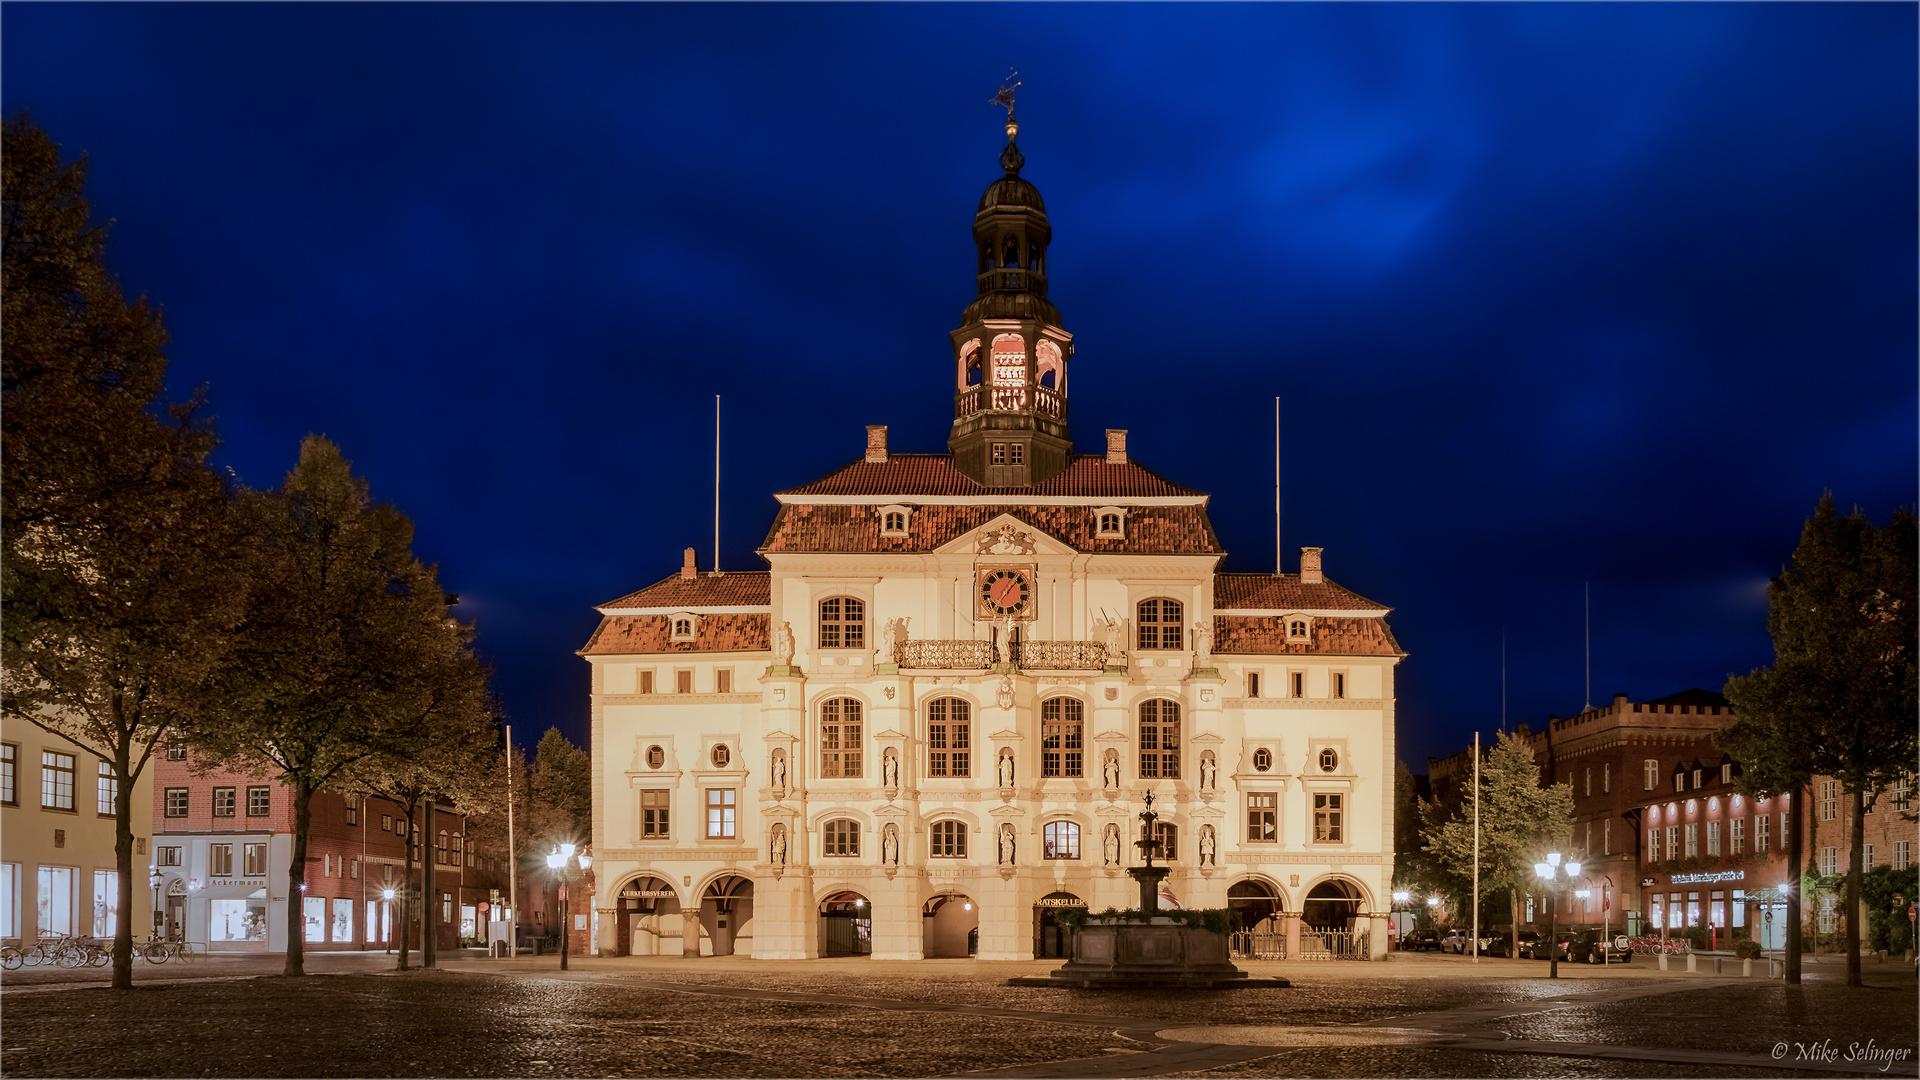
x=1059 y=901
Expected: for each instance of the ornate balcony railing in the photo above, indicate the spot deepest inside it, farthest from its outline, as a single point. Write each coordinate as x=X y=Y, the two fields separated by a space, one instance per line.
x=968 y=401
x=1049 y=401
x=1061 y=655
x=1012 y=279
x=944 y=654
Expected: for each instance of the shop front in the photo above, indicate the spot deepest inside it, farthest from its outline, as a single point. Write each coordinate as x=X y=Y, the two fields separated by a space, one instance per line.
x=1053 y=939
x=647 y=921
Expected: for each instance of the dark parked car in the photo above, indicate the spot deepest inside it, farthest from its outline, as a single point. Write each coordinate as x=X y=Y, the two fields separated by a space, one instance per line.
x=1589 y=946
x=1537 y=948
x=1508 y=945
x=1419 y=940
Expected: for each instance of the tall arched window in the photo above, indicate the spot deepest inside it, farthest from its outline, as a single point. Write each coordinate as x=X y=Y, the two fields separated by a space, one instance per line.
x=1062 y=728
x=949 y=738
x=440 y=849
x=947 y=840
x=840 y=737
x=1159 y=739
x=1159 y=624
x=1062 y=840
x=843 y=623
x=840 y=838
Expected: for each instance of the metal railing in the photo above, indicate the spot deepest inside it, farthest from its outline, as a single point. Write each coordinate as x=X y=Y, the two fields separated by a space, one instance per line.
x=1247 y=945
x=1061 y=655
x=1012 y=277
x=1333 y=943
x=944 y=654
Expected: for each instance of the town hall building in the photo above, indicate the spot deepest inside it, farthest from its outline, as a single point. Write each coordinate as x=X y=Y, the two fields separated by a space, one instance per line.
x=931 y=724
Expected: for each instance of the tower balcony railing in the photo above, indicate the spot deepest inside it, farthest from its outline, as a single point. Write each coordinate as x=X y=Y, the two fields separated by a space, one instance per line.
x=928 y=653
x=1013 y=279
x=1061 y=655
x=1045 y=400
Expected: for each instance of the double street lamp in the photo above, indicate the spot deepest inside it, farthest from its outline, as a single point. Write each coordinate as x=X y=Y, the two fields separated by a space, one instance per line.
x=567 y=866
x=155 y=879
x=1555 y=876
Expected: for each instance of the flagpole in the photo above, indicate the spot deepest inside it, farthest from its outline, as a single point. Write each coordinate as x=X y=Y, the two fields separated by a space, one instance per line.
x=1476 y=847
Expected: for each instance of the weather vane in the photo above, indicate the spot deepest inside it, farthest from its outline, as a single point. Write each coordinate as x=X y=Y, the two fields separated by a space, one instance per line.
x=1005 y=98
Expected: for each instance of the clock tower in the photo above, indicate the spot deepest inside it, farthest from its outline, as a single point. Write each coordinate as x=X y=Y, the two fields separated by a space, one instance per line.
x=1010 y=352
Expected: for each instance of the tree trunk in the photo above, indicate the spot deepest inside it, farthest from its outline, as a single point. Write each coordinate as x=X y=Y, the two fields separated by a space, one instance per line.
x=1794 y=887
x=297 y=880
x=406 y=888
x=123 y=862
x=1856 y=819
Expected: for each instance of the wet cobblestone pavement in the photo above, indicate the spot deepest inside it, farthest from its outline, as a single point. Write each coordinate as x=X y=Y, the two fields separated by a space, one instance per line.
x=738 y=1017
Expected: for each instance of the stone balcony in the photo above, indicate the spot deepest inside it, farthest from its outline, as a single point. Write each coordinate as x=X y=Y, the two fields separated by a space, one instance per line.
x=979 y=655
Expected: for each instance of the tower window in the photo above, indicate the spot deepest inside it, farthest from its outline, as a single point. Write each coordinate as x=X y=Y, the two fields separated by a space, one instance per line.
x=1159 y=624
x=999 y=453
x=843 y=623
x=1016 y=453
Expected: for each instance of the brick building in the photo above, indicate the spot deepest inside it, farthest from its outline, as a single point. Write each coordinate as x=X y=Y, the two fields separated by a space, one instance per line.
x=223 y=840
x=1889 y=831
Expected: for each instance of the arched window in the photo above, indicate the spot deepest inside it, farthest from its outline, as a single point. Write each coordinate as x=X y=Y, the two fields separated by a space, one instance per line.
x=949 y=738
x=1159 y=739
x=1012 y=258
x=456 y=850
x=840 y=838
x=843 y=623
x=947 y=840
x=440 y=849
x=1159 y=624
x=1062 y=727
x=840 y=737
x=1062 y=840
x=986 y=257
x=1033 y=258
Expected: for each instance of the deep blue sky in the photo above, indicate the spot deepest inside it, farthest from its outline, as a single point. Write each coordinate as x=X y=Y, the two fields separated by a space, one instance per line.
x=1552 y=293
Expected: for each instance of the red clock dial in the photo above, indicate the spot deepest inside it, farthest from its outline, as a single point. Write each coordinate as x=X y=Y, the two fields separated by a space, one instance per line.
x=1006 y=593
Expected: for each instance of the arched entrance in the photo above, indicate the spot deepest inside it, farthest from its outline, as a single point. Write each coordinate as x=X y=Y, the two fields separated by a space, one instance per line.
x=1258 y=933
x=846 y=925
x=648 y=922
x=1331 y=914
x=726 y=916
x=949 y=927
x=1051 y=938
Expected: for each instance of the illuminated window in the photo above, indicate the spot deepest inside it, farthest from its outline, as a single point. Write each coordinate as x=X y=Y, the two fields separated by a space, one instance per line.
x=720 y=806
x=1263 y=817
x=56 y=780
x=176 y=802
x=1760 y=822
x=949 y=738
x=1062 y=840
x=948 y=840
x=840 y=838
x=1673 y=841
x=843 y=623
x=9 y=764
x=223 y=801
x=1827 y=800
x=1159 y=739
x=840 y=738
x=1653 y=845
x=1713 y=838
x=1159 y=624
x=1737 y=834
x=107 y=788
x=1693 y=840
x=1062 y=725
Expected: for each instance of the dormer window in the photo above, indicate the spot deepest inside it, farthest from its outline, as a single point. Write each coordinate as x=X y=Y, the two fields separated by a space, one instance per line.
x=684 y=624
x=894 y=519
x=1110 y=523
x=1299 y=628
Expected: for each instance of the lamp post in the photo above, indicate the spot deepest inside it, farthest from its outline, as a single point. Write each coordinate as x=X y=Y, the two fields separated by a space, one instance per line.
x=1402 y=900
x=154 y=879
x=1555 y=876
x=567 y=865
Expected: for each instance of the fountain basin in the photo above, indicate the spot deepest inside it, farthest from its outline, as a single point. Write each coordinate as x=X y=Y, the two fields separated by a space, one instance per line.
x=1121 y=954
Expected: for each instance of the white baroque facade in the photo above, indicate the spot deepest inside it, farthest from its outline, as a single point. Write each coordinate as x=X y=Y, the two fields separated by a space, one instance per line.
x=932 y=722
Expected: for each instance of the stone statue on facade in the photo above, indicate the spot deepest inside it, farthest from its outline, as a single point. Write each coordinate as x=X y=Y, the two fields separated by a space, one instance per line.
x=892 y=636
x=1208 y=773
x=779 y=770
x=889 y=769
x=1111 y=844
x=1005 y=770
x=1202 y=644
x=1006 y=845
x=779 y=845
x=783 y=644
x=1206 y=845
x=890 y=845
x=1113 y=633
x=1110 y=771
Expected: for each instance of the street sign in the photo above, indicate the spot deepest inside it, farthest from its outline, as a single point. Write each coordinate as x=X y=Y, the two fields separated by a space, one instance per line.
x=483 y=907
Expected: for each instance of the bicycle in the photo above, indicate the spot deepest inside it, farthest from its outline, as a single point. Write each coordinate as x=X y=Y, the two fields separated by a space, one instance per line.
x=153 y=950
x=11 y=957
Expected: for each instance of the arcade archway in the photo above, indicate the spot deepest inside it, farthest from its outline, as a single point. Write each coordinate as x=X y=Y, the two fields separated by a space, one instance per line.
x=949 y=927
x=1333 y=904
x=726 y=916
x=649 y=922
x=1258 y=905
x=1051 y=937
x=846 y=924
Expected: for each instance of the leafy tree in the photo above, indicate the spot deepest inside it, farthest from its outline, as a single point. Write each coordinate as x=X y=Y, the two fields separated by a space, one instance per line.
x=118 y=571
x=334 y=647
x=1519 y=821
x=563 y=779
x=434 y=740
x=1841 y=695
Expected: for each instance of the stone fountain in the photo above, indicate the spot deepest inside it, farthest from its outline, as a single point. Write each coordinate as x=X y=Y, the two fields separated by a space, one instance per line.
x=1147 y=950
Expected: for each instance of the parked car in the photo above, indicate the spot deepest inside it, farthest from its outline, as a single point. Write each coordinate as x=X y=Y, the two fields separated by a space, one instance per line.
x=1536 y=949
x=1454 y=942
x=1513 y=946
x=1589 y=946
x=1419 y=940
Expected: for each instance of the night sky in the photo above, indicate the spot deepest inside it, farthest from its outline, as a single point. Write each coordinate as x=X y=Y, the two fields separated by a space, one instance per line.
x=1552 y=294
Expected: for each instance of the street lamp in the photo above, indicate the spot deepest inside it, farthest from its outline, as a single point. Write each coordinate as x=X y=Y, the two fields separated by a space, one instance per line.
x=1555 y=876
x=386 y=894
x=154 y=878
x=567 y=866
x=1401 y=901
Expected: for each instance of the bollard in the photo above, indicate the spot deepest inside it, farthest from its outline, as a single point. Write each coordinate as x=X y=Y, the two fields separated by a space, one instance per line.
x=1776 y=968
x=1692 y=962
x=1746 y=968
x=1662 y=957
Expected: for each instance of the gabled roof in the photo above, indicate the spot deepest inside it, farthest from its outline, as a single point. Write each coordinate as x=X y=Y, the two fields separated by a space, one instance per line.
x=1284 y=592
x=732 y=589
x=909 y=475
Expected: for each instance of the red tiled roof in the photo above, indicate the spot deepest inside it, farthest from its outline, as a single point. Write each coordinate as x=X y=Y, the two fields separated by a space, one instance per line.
x=619 y=634
x=1264 y=635
x=934 y=474
x=1162 y=530
x=735 y=588
x=1284 y=592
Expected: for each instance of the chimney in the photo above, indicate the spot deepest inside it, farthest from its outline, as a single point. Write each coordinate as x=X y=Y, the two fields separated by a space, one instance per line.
x=877 y=443
x=1310 y=566
x=688 y=571
x=1116 y=446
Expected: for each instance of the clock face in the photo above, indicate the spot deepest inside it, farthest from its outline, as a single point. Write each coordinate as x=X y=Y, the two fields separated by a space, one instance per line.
x=1006 y=594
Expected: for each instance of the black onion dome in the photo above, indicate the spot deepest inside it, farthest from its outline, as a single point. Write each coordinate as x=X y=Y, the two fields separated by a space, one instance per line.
x=1012 y=192
x=1011 y=305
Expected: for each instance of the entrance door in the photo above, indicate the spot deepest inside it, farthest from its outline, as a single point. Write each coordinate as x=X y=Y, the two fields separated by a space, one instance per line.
x=1051 y=938
x=846 y=925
